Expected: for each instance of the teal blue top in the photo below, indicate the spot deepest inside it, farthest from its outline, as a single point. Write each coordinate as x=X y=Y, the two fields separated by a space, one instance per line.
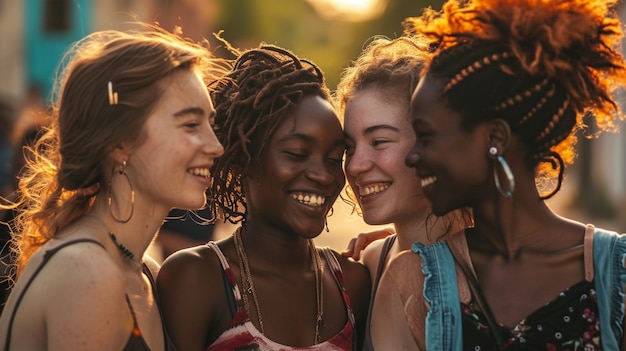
x=443 y=321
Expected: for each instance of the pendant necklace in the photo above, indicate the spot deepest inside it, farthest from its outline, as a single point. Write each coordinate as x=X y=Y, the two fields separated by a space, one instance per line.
x=246 y=278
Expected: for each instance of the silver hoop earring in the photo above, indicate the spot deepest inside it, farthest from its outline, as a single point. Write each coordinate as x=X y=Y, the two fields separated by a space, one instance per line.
x=122 y=172
x=507 y=172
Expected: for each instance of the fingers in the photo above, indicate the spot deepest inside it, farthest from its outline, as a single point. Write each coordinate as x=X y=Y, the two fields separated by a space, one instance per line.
x=362 y=240
x=349 y=251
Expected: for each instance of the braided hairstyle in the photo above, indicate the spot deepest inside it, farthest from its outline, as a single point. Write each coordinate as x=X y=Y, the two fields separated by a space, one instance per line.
x=541 y=65
x=263 y=87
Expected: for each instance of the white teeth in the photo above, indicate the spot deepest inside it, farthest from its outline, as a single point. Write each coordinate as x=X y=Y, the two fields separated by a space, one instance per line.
x=428 y=181
x=372 y=189
x=201 y=172
x=309 y=199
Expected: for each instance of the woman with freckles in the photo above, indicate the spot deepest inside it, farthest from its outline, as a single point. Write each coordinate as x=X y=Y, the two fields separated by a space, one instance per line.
x=268 y=287
x=374 y=97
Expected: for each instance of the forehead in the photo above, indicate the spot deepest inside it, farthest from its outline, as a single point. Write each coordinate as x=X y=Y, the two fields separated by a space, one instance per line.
x=313 y=116
x=427 y=103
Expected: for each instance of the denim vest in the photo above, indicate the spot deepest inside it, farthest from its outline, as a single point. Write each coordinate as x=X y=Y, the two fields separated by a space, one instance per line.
x=443 y=320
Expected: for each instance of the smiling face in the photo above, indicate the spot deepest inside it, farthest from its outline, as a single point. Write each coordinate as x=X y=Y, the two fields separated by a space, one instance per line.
x=301 y=170
x=451 y=161
x=379 y=135
x=171 y=164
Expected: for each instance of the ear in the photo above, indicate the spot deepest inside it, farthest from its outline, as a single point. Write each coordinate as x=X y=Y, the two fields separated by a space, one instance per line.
x=499 y=134
x=120 y=154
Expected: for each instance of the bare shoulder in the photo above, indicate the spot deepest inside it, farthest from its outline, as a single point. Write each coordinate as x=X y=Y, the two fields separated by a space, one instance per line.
x=185 y=266
x=357 y=281
x=193 y=297
x=86 y=266
x=351 y=267
x=405 y=270
x=79 y=286
x=371 y=254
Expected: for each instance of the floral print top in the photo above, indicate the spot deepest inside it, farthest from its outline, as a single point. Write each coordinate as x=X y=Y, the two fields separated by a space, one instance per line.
x=568 y=323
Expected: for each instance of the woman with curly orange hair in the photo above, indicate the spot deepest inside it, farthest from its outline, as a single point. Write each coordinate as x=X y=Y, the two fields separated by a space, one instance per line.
x=495 y=112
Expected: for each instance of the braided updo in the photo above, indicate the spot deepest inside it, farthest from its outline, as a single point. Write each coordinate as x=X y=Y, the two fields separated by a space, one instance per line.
x=541 y=65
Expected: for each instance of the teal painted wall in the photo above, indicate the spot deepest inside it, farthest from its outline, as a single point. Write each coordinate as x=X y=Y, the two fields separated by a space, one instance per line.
x=44 y=47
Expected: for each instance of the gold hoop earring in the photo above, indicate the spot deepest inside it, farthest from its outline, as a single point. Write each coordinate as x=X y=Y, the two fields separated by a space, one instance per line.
x=122 y=172
x=493 y=151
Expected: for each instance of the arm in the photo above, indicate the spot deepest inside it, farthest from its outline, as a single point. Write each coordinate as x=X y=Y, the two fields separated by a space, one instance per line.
x=186 y=286
x=362 y=240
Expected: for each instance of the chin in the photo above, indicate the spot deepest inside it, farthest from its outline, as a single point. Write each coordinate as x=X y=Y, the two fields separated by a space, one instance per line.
x=373 y=219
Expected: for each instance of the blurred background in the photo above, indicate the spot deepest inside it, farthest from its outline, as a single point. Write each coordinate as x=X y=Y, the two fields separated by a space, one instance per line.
x=35 y=33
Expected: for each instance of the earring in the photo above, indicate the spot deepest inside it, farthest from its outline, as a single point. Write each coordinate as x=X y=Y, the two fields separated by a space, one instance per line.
x=493 y=151
x=121 y=172
x=210 y=205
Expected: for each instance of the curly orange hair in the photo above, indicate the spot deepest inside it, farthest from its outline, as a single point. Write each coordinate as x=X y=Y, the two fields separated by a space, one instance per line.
x=542 y=65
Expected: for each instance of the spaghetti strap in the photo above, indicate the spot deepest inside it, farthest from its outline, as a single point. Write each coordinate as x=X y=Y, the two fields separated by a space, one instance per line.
x=382 y=260
x=588 y=252
x=234 y=295
x=337 y=272
x=46 y=257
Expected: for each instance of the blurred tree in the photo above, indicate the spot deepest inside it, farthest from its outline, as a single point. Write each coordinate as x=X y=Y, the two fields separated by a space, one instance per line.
x=295 y=25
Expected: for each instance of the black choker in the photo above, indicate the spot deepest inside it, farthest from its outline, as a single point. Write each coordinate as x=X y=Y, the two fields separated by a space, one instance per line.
x=123 y=249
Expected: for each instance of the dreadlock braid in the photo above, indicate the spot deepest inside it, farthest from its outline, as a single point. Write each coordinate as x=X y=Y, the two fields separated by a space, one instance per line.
x=251 y=101
x=541 y=65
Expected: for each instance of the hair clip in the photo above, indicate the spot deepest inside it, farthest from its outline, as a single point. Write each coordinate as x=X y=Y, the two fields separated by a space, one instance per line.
x=112 y=94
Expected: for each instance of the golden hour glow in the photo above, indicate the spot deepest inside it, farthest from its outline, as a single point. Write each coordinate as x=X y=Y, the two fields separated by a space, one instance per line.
x=349 y=10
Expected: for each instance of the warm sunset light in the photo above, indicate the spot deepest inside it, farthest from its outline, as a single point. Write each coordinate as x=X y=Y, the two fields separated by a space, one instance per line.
x=349 y=10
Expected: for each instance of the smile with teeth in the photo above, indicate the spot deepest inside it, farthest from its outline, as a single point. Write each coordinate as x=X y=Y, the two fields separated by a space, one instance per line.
x=200 y=172
x=309 y=199
x=428 y=181
x=372 y=189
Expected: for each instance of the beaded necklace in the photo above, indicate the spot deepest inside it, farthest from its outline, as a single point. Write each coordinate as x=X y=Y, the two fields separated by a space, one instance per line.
x=123 y=249
x=246 y=278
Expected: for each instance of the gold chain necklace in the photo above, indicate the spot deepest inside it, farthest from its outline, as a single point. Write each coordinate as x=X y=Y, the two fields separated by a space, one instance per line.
x=246 y=278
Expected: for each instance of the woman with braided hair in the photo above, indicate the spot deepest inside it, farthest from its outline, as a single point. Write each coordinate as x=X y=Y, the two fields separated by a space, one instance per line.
x=495 y=111
x=268 y=287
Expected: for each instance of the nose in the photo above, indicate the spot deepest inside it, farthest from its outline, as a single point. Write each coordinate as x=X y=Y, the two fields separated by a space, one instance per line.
x=320 y=173
x=357 y=163
x=212 y=146
x=413 y=157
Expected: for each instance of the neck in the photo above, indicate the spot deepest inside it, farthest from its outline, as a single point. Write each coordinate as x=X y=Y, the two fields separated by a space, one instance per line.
x=274 y=249
x=510 y=228
x=418 y=228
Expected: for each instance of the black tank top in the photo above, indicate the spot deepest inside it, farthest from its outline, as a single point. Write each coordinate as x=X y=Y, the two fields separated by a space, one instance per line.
x=135 y=342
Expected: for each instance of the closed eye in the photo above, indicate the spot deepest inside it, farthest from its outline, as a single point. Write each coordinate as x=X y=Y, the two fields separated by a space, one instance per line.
x=379 y=142
x=297 y=155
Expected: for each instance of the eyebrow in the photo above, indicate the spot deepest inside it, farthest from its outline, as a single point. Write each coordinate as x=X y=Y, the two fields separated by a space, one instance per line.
x=372 y=129
x=190 y=110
